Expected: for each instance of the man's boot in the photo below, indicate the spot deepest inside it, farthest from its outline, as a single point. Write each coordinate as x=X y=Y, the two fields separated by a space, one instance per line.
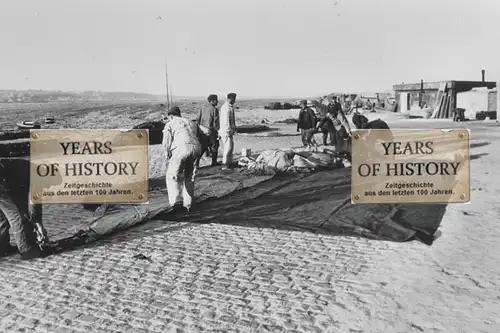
x=179 y=208
x=214 y=158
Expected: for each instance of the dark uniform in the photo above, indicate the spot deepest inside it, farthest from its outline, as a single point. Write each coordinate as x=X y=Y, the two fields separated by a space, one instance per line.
x=208 y=120
x=327 y=128
x=306 y=124
x=16 y=213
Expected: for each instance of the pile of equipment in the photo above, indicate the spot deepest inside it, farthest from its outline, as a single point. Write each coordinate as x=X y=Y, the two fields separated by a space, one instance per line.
x=294 y=160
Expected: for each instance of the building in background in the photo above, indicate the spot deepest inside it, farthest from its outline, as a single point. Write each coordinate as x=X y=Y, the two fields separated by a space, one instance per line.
x=445 y=96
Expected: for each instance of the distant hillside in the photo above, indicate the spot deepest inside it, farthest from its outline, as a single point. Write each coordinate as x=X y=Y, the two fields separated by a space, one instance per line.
x=223 y=98
x=45 y=96
x=181 y=98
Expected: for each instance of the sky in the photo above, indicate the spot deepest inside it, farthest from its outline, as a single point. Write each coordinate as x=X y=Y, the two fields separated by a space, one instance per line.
x=254 y=48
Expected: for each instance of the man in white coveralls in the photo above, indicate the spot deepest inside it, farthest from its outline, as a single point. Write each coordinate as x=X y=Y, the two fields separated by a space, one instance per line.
x=227 y=130
x=182 y=150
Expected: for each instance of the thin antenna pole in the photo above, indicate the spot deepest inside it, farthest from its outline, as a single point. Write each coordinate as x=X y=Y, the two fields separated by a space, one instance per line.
x=171 y=96
x=166 y=82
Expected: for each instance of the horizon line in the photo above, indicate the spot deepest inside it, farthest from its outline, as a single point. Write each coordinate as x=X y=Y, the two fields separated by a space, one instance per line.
x=190 y=96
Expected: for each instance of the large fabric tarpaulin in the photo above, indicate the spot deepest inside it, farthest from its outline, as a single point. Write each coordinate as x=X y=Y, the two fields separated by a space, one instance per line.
x=109 y=219
x=320 y=202
x=313 y=202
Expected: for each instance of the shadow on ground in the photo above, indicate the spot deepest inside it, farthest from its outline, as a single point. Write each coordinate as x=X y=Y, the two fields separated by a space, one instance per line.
x=477 y=156
x=479 y=144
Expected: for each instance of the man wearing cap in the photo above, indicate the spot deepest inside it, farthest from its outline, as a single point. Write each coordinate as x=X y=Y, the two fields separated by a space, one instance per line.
x=306 y=123
x=182 y=150
x=227 y=130
x=208 y=121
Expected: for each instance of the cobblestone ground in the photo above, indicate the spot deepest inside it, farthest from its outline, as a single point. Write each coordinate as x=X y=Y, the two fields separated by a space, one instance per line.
x=221 y=278
x=198 y=277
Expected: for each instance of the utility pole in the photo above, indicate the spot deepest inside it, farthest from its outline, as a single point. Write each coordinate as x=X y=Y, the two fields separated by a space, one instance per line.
x=166 y=82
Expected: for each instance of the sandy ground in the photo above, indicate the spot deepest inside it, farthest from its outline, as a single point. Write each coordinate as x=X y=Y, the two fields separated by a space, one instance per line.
x=220 y=278
x=268 y=140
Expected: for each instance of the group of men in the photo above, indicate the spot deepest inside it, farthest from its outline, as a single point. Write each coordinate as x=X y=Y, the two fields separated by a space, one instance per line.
x=218 y=127
x=332 y=123
x=185 y=142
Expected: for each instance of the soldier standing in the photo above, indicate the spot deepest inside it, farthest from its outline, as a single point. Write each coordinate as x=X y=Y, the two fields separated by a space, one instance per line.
x=209 y=123
x=228 y=129
x=306 y=123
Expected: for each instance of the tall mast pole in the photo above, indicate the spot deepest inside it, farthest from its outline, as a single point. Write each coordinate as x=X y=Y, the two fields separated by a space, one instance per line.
x=171 y=96
x=166 y=82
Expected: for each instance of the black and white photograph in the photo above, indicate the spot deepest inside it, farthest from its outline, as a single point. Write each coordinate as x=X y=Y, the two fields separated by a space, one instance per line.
x=255 y=209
